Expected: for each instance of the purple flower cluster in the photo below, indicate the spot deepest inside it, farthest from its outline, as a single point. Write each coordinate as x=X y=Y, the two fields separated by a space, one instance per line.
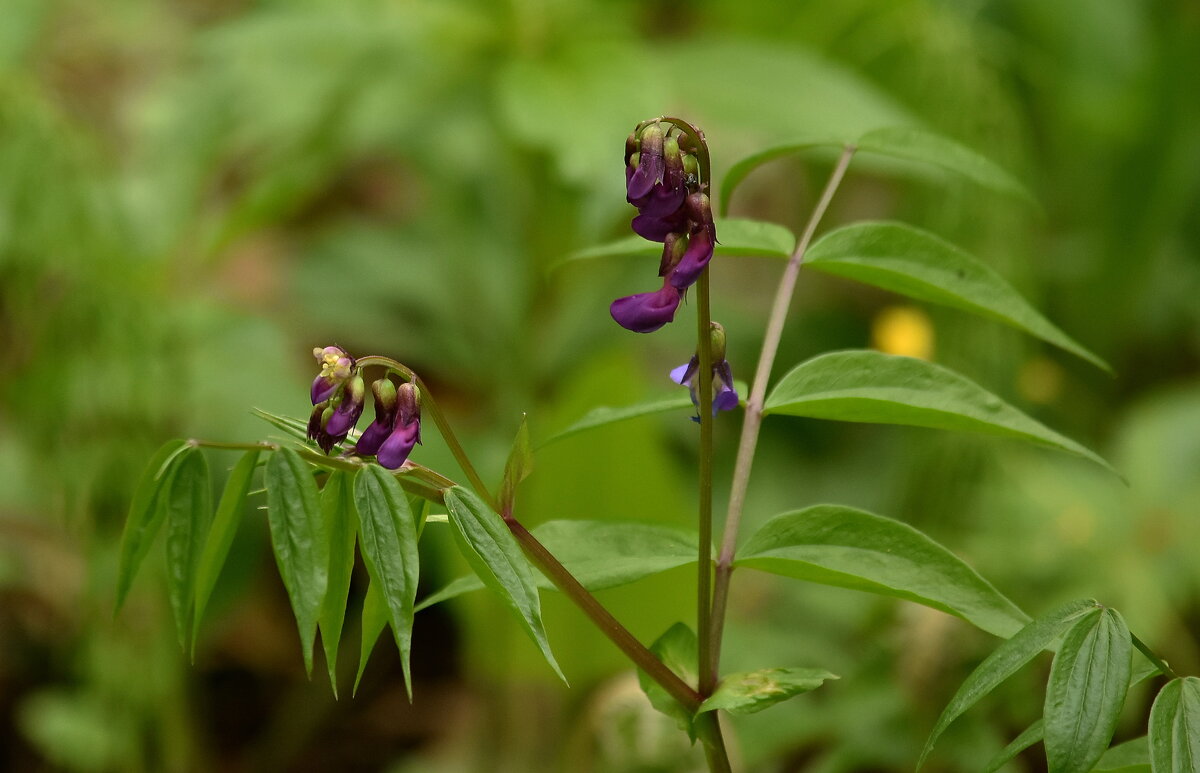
x=338 y=394
x=662 y=180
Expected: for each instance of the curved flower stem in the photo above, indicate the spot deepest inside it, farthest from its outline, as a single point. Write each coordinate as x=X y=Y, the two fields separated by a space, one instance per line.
x=430 y=407
x=753 y=417
x=708 y=680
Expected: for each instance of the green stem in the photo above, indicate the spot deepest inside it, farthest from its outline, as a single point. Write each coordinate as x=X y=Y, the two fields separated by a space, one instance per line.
x=1158 y=662
x=708 y=680
x=708 y=729
x=754 y=413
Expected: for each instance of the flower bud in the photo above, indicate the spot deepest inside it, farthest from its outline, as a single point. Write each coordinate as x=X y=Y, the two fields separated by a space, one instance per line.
x=650 y=166
x=674 y=247
x=406 y=432
x=336 y=425
x=384 y=392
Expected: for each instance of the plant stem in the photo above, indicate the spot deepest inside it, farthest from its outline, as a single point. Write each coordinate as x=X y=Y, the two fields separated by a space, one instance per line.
x=608 y=625
x=1155 y=660
x=754 y=413
x=708 y=729
x=708 y=680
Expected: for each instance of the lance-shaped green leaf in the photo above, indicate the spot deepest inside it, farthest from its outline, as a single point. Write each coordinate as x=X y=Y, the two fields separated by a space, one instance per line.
x=388 y=541
x=1129 y=757
x=913 y=144
x=918 y=264
x=1175 y=727
x=848 y=548
x=341 y=524
x=375 y=615
x=299 y=540
x=517 y=468
x=600 y=554
x=869 y=386
x=188 y=496
x=1088 y=682
x=147 y=510
x=677 y=649
x=743 y=238
x=496 y=558
x=1005 y=661
x=220 y=536
x=751 y=691
x=740 y=170
x=604 y=415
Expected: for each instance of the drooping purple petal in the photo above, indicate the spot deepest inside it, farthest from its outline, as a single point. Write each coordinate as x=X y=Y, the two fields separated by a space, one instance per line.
x=372 y=438
x=646 y=312
x=655 y=229
x=399 y=445
x=695 y=259
x=684 y=374
x=726 y=399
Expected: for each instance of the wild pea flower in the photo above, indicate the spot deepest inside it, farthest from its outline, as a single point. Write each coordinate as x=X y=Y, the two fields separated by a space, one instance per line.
x=725 y=398
x=332 y=420
x=336 y=367
x=406 y=428
x=384 y=392
x=662 y=180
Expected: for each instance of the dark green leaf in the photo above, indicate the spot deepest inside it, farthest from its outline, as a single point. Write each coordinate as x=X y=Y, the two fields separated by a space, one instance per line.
x=146 y=514
x=1175 y=727
x=869 y=386
x=188 y=496
x=752 y=691
x=375 y=616
x=496 y=558
x=299 y=540
x=1005 y=661
x=848 y=548
x=1129 y=757
x=913 y=144
x=341 y=525
x=739 y=171
x=918 y=264
x=1032 y=735
x=1088 y=682
x=677 y=649
x=600 y=554
x=517 y=468
x=746 y=238
x=388 y=540
x=220 y=536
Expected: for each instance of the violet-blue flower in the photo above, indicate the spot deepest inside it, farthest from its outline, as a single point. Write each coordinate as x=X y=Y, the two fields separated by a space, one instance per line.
x=725 y=398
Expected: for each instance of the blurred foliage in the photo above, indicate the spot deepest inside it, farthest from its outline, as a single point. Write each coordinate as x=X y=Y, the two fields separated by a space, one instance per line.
x=194 y=193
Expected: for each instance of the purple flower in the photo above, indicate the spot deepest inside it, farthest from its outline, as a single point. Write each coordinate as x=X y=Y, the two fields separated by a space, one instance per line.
x=695 y=259
x=336 y=367
x=331 y=421
x=406 y=430
x=726 y=397
x=666 y=197
x=649 y=166
x=646 y=312
x=655 y=229
x=384 y=392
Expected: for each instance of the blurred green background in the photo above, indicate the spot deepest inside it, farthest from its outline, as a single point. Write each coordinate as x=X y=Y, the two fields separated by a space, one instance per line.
x=194 y=193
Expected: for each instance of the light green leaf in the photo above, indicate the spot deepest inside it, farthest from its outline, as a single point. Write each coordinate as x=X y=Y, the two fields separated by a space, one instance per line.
x=848 y=548
x=147 y=511
x=736 y=237
x=1088 y=682
x=740 y=170
x=752 y=691
x=496 y=558
x=220 y=536
x=517 y=468
x=1175 y=727
x=921 y=265
x=375 y=616
x=1005 y=661
x=188 y=496
x=1129 y=757
x=1032 y=735
x=677 y=649
x=299 y=540
x=388 y=541
x=600 y=554
x=913 y=144
x=341 y=524
x=869 y=386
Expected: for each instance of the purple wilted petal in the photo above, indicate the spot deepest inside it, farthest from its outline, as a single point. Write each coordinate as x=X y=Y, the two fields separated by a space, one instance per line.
x=399 y=444
x=646 y=312
x=684 y=374
x=695 y=259
x=655 y=229
x=323 y=389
